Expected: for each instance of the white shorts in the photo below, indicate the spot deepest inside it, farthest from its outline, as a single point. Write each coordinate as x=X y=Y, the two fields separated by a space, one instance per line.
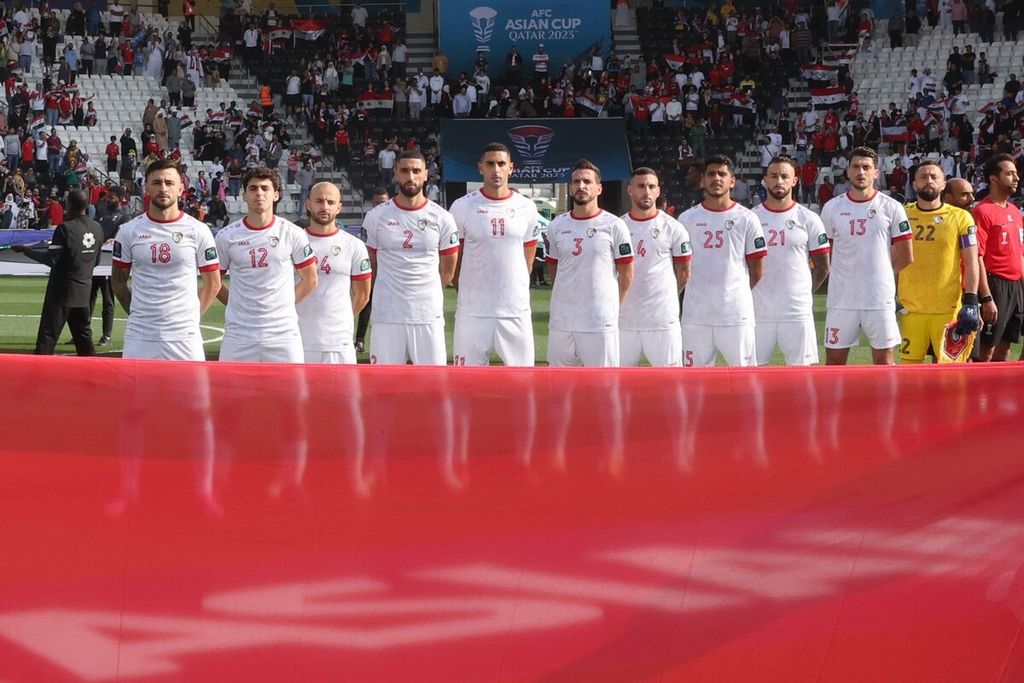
x=510 y=338
x=346 y=355
x=843 y=326
x=253 y=352
x=396 y=343
x=589 y=349
x=734 y=342
x=661 y=348
x=179 y=349
x=796 y=339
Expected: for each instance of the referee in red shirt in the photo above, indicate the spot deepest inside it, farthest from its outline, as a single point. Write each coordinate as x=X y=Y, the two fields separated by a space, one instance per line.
x=1001 y=253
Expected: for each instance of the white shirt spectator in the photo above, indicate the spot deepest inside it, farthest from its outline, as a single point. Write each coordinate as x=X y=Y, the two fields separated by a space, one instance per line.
x=386 y=158
x=359 y=16
x=674 y=110
x=293 y=85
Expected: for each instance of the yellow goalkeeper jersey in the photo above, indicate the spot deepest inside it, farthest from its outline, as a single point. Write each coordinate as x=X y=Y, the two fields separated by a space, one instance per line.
x=932 y=283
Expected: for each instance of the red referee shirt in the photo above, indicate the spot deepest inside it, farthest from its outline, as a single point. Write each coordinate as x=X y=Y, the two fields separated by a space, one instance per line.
x=1000 y=238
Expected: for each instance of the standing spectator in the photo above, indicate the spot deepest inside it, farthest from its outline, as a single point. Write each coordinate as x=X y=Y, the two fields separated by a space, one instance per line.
x=173 y=83
x=111 y=216
x=896 y=29
x=958 y=11
x=399 y=57
x=115 y=14
x=188 y=92
x=809 y=181
x=100 y=52
x=88 y=53
x=173 y=130
x=514 y=66
x=386 y=163
x=912 y=27
x=160 y=128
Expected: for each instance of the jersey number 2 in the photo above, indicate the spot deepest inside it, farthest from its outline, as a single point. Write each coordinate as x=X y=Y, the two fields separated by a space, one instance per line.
x=407 y=244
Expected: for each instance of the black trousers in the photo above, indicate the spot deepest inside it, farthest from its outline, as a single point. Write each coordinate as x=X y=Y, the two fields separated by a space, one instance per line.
x=101 y=285
x=55 y=315
x=364 y=320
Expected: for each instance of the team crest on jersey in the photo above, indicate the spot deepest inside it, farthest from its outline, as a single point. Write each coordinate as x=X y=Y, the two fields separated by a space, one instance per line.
x=422 y=224
x=176 y=236
x=728 y=225
x=790 y=224
x=871 y=213
x=274 y=241
x=591 y=232
x=335 y=250
x=938 y=219
x=511 y=213
x=655 y=232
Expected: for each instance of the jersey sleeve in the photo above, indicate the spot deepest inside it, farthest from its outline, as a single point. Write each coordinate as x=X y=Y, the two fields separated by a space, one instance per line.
x=458 y=214
x=551 y=246
x=206 y=250
x=754 y=246
x=532 y=235
x=370 y=226
x=224 y=256
x=982 y=228
x=966 y=230
x=623 y=243
x=302 y=251
x=817 y=239
x=122 y=249
x=899 y=224
x=681 y=250
x=360 y=262
x=827 y=222
x=448 y=240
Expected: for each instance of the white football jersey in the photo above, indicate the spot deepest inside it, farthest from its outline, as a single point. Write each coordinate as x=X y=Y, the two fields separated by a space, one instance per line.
x=164 y=257
x=325 y=316
x=408 y=244
x=784 y=292
x=652 y=302
x=719 y=289
x=862 y=235
x=494 y=278
x=261 y=263
x=585 y=297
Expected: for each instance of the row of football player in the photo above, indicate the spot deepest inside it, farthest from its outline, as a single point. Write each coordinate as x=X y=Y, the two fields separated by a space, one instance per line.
x=294 y=292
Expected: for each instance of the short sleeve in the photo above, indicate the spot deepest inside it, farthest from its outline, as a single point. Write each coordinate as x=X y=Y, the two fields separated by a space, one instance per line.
x=122 y=249
x=754 y=246
x=551 y=245
x=532 y=234
x=221 y=244
x=817 y=239
x=827 y=222
x=206 y=250
x=622 y=241
x=302 y=251
x=682 y=252
x=982 y=228
x=448 y=240
x=360 y=262
x=967 y=232
x=458 y=214
x=899 y=224
x=370 y=226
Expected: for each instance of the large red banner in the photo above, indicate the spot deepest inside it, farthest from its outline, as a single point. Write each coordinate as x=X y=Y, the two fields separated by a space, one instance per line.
x=219 y=522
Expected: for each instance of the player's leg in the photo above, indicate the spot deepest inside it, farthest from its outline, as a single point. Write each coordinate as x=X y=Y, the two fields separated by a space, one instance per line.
x=842 y=331
x=798 y=342
x=562 y=349
x=883 y=334
x=388 y=344
x=698 y=345
x=630 y=347
x=765 y=339
x=916 y=335
x=427 y=344
x=240 y=352
x=598 y=349
x=346 y=355
x=736 y=344
x=513 y=341
x=663 y=348
x=472 y=341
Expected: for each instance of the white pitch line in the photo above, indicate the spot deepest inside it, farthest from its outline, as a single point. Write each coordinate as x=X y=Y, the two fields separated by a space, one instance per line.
x=202 y=326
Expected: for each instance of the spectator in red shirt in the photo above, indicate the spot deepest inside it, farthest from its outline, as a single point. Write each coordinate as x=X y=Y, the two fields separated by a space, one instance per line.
x=825 y=191
x=808 y=181
x=28 y=153
x=898 y=180
x=113 y=154
x=56 y=212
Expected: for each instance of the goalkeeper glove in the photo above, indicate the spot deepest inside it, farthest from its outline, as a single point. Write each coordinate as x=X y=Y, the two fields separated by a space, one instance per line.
x=969 y=318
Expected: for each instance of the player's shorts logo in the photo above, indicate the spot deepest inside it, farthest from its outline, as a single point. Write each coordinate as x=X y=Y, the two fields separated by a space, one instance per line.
x=591 y=232
x=532 y=143
x=728 y=225
x=655 y=232
x=335 y=250
x=274 y=241
x=790 y=224
x=176 y=236
x=871 y=213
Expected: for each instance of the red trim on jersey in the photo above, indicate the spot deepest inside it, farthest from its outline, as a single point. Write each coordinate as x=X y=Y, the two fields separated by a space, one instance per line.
x=705 y=206
x=497 y=199
x=682 y=259
x=449 y=250
x=624 y=259
x=586 y=218
x=900 y=238
x=641 y=220
x=223 y=272
x=551 y=259
x=822 y=250
x=329 y=234
x=767 y=208
x=425 y=202
x=308 y=262
x=531 y=243
x=122 y=266
x=209 y=268
x=362 y=276
x=756 y=255
x=371 y=250
x=169 y=220
x=245 y=221
x=861 y=201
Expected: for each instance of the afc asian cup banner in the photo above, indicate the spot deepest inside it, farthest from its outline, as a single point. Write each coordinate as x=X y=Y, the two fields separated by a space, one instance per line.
x=543 y=150
x=566 y=28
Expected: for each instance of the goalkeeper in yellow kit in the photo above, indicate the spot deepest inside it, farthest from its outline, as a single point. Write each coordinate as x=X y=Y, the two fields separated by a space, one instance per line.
x=933 y=290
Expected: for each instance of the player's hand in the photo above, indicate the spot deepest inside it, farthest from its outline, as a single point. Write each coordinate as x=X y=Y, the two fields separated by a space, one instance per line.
x=900 y=308
x=969 y=318
x=989 y=312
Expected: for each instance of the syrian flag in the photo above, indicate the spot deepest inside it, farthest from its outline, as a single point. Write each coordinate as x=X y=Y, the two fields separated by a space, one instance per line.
x=990 y=108
x=677 y=62
x=897 y=133
x=819 y=72
x=279 y=34
x=591 y=105
x=828 y=98
x=38 y=124
x=309 y=29
x=739 y=103
x=384 y=100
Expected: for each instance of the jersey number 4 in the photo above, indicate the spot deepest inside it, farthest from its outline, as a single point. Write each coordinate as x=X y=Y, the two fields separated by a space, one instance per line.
x=325 y=267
